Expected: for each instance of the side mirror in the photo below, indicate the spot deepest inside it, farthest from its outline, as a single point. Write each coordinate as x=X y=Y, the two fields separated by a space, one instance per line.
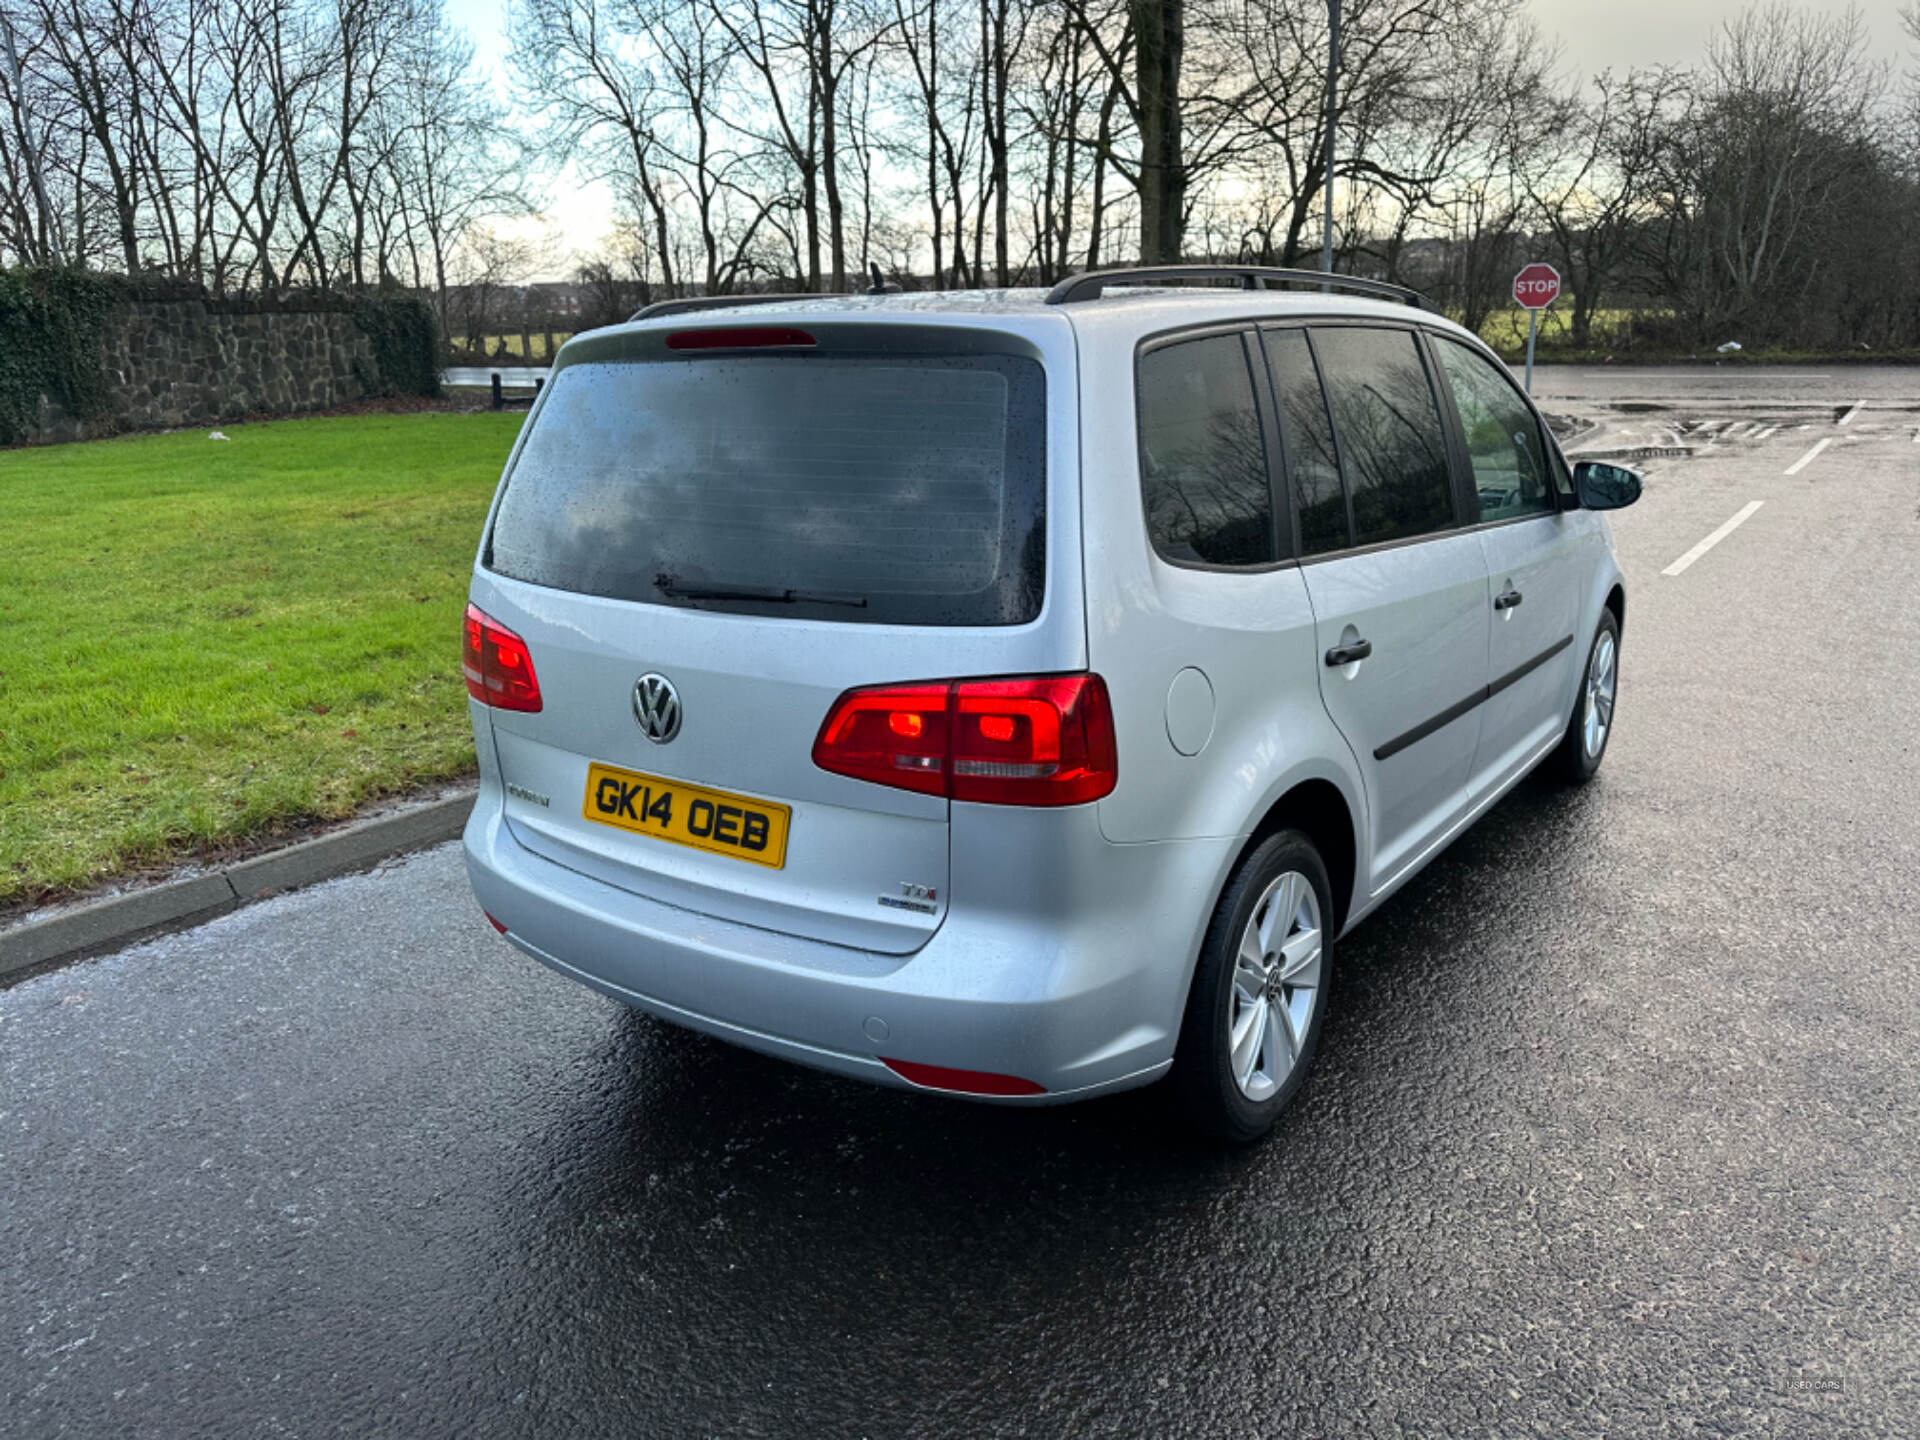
x=1600 y=486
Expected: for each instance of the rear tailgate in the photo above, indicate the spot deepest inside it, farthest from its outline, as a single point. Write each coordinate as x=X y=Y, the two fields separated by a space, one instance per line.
x=760 y=532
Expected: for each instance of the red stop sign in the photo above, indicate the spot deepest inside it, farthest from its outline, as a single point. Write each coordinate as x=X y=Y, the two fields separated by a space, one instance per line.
x=1536 y=286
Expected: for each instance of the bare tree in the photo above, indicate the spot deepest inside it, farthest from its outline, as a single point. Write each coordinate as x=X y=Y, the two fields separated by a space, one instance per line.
x=1064 y=86
x=721 y=182
x=487 y=263
x=800 y=53
x=1587 y=171
x=1389 y=69
x=933 y=37
x=31 y=231
x=1777 y=128
x=455 y=165
x=600 y=87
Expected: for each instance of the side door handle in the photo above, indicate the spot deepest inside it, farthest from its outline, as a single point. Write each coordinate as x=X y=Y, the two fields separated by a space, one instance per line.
x=1346 y=654
x=1506 y=601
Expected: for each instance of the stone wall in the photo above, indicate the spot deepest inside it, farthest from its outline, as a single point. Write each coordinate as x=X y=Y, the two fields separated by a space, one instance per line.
x=172 y=363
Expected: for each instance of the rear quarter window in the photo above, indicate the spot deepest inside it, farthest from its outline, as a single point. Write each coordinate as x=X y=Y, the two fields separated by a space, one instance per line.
x=869 y=489
x=1203 y=459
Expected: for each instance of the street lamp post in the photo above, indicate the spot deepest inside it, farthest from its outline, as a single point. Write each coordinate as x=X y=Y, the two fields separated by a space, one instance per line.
x=1333 y=71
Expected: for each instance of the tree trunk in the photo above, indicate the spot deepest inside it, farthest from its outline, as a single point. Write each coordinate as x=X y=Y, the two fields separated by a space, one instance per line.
x=1584 y=301
x=829 y=83
x=1159 y=28
x=41 y=235
x=935 y=204
x=996 y=129
x=1097 y=202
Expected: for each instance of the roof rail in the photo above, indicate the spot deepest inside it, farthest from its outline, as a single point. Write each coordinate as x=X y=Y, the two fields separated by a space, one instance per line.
x=691 y=303
x=1094 y=283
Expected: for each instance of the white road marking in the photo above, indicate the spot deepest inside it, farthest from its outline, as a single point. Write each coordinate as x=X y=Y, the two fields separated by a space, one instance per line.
x=1857 y=405
x=1766 y=432
x=1807 y=459
x=1740 y=518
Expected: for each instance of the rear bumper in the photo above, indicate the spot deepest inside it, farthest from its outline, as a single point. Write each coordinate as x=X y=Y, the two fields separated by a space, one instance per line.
x=1073 y=975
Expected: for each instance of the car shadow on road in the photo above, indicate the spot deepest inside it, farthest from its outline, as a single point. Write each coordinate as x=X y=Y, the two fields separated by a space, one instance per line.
x=703 y=1191
x=692 y=1096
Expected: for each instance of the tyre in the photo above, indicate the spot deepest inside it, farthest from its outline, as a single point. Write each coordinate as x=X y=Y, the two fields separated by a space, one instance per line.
x=1254 y=1012
x=1585 y=742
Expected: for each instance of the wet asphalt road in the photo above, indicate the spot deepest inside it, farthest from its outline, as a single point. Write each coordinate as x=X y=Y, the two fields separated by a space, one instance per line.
x=1614 y=1128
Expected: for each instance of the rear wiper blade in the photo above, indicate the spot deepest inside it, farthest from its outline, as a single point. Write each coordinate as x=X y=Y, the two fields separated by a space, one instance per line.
x=671 y=585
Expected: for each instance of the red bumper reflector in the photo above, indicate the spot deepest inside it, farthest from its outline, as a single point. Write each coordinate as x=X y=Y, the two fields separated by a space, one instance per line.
x=495 y=923
x=962 y=1082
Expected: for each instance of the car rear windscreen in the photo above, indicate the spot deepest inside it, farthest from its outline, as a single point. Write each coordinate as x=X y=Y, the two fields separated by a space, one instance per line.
x=883 y=489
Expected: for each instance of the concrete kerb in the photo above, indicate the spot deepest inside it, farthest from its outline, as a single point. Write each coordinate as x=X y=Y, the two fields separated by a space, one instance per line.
x=116 y=920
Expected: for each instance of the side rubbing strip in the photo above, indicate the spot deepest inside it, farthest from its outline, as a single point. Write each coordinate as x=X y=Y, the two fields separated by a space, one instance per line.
x=1426 y=727
x=1453 y=712
x=1532 y=665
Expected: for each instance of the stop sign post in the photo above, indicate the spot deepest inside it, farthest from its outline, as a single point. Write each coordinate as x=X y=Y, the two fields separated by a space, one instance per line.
x=1535 y=287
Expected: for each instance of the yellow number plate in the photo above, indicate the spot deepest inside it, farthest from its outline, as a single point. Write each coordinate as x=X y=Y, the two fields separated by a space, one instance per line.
x=683 y=814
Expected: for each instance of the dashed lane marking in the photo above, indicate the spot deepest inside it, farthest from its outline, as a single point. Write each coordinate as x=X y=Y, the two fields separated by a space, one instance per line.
x=1740 y=518
x=1807 y=459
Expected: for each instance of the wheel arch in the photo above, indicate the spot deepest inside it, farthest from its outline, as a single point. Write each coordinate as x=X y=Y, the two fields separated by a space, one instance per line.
x=1616 y=601
x=1318 y=809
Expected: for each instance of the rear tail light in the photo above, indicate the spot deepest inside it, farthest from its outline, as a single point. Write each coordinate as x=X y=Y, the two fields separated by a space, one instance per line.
x=1047 y=740
x=890 y=734
x=498 y=668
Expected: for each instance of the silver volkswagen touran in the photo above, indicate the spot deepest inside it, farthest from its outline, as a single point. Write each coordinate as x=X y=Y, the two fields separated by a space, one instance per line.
x=1015 y=694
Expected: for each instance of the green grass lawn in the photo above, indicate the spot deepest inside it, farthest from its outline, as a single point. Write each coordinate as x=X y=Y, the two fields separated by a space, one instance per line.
x=201 y=640
x=1506 y=327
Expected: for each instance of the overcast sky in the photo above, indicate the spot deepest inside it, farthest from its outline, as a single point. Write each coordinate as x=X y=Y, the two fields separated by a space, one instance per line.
x=1619 y=34
x=1593 y=35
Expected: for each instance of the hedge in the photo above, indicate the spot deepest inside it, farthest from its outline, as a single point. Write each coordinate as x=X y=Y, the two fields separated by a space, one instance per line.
x=406 y=344
x=50 y=344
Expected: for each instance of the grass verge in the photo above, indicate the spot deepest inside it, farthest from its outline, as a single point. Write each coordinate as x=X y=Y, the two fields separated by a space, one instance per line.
x=205 y=640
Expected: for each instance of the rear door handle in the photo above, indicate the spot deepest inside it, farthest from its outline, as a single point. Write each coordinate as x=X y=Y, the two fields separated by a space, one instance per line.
x=1507 y=601
x=1346 y=654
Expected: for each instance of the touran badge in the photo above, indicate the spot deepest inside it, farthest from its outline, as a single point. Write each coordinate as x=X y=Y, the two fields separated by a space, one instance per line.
x=656 y=705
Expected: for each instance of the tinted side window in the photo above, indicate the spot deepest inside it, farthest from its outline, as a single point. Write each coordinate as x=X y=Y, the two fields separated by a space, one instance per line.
x=1203 y=461
x=1390 y=434
x=1509 y=466
x=1313 y=465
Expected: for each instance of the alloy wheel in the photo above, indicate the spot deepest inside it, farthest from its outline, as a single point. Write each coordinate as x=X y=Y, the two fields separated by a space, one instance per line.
x=1601 y=672
x=1276 y=984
